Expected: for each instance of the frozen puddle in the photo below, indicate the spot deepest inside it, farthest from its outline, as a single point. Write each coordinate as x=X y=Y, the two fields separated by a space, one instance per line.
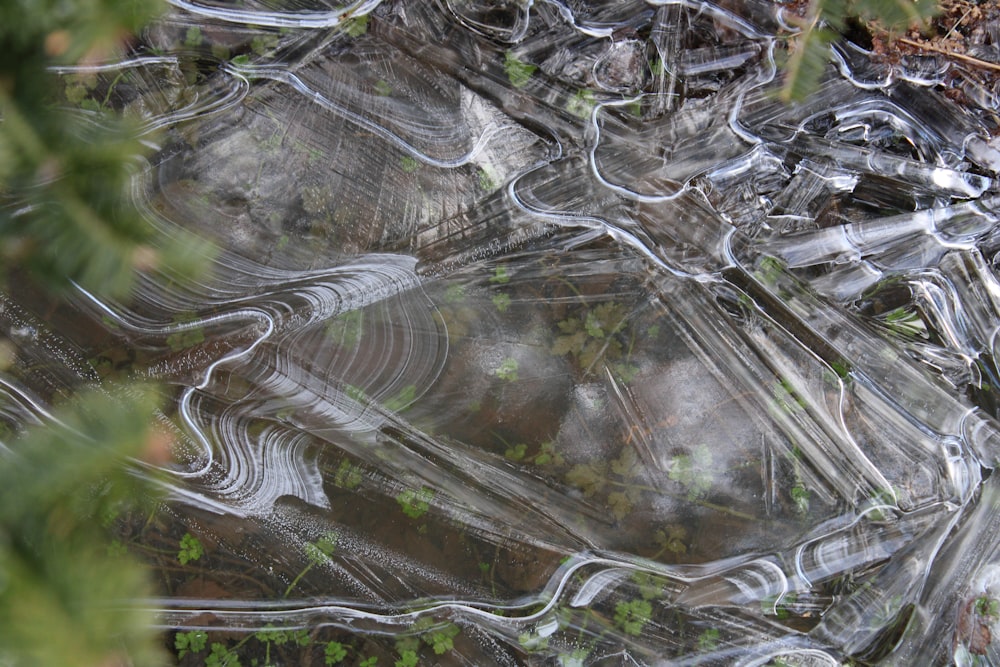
x=543 y=333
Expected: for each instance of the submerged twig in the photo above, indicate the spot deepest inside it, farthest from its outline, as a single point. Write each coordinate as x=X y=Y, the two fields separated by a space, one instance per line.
x=951 y=54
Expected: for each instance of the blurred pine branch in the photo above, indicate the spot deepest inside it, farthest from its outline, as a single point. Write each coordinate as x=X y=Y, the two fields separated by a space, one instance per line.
x=65 y=212
x=66 y=216
x=68 y=598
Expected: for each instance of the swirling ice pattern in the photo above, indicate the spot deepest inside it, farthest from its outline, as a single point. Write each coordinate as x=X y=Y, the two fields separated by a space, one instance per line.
x=244 y=473
x=153 y=72
x=277 y=19
x=598 y=359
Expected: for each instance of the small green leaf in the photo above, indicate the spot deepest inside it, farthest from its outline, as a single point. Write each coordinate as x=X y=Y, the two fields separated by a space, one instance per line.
x=632 y=615
x=186 y=336
x=518 y=71
x=334 y=653
x=708 y=640
x=190 y=549
x=403 y=399
x=320 y=551
x=800 y=497
x=487 y=179
x=582 y=103
x=442 y=639
x=987 y=606
x=588 y=477
x=500 y=276
x=222 y=656
x=345 y=329
x=507 y=370
x=501 y=300
x=408 y=658
x=454 y=294
x=356 y=26
x=192 y=641
x=415 y=503
x=620 y=504
x=348 y=475
x=408 y=164
x=517 y=452
x=193 y=38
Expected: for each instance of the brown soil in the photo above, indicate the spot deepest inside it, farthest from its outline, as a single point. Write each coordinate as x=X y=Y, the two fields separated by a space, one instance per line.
x=963 y=33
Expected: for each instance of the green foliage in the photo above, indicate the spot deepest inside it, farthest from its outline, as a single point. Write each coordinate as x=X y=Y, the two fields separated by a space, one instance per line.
x=582 y=103
x=193 y=641
x=357 y=26
x=403 y=399
x=193 y=37
x=185 y=337
x=905 y=322
x=708 y=640
x=383 y=89
x=348 y=475
x=454 y=294
x=517 y=452
x=487 y=179
x=408 y=164
x=408 y=658
x=61 y=599
x=370 y=661
x=334 y=653
x=588 y=477
x=530 y=641
x=650 y=586
x=575 y=658
x=64 y=179
x=320 y=551
x=876 y=508
x=987 y=606
x=545 y=454
x=190 y=549
x=263 y=44
x=282 y=636
x=87 y=25
x=500 y=276
x=591 y=335
x=222 y=656
x=786 y=398
x=777 y=605
x=415 y=503
x=824 y=18
x=632 y=615
x=625 y=372
x=317 y=552
x=66 y=215
x=518 y=71
x=501 y=300
x=693 y=471
x=621 y=504
x=507 y=370
x=808 y=60
x=441 y=639
x=800 y=498
x=672 y=539
x=345 y=330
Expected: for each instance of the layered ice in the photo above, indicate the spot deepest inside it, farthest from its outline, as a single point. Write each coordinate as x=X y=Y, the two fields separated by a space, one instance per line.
x=543 y=333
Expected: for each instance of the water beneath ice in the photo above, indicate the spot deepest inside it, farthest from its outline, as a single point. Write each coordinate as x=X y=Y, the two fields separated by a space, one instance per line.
x=542 y=333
